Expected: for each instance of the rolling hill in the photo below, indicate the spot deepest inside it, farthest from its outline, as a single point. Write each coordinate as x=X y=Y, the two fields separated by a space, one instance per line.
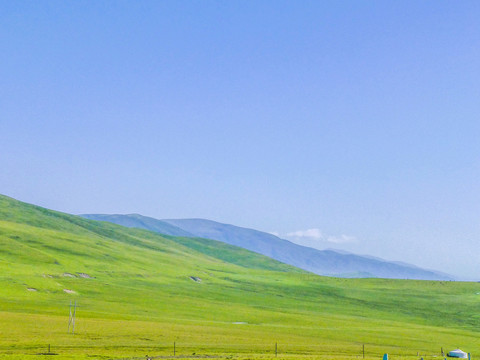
x=138 y=293
x=321 y=262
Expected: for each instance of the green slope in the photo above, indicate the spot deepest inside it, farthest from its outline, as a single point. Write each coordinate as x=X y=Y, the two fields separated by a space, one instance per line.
x=139 y=292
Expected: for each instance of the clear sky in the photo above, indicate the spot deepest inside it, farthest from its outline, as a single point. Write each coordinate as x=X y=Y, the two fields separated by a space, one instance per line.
x=337 y=124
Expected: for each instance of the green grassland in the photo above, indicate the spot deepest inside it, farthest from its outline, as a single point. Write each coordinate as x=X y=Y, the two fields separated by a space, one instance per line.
x=138 y=293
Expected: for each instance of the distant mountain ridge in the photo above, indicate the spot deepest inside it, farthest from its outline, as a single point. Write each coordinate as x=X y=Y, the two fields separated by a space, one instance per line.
x=322 y=262
x=142 y=222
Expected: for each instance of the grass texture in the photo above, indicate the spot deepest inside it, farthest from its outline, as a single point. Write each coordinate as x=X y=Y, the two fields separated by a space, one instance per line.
x=139 y=293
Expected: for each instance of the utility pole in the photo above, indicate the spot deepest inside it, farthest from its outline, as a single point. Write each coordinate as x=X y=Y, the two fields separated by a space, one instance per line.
x=71 y=318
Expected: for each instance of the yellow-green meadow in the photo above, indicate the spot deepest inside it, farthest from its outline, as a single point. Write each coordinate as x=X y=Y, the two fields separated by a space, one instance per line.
x=139 y=294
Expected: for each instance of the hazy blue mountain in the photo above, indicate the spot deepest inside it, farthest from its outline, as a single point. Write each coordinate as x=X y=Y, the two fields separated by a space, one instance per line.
x=142 y=222
x=322 y=262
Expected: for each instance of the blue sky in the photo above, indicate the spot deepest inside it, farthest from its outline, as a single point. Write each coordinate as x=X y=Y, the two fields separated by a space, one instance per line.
x=337 y=124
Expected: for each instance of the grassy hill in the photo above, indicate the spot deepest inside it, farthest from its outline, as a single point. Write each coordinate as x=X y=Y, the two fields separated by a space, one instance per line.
x=138 y=293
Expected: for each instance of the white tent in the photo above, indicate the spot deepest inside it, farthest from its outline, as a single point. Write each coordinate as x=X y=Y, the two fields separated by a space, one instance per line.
x=458 y=354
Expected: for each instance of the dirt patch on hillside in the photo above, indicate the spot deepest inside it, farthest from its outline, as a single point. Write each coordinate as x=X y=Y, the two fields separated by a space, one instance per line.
x=85 y=276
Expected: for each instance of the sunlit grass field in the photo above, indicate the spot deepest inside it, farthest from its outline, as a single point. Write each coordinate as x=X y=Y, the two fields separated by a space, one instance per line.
x=139 y=293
